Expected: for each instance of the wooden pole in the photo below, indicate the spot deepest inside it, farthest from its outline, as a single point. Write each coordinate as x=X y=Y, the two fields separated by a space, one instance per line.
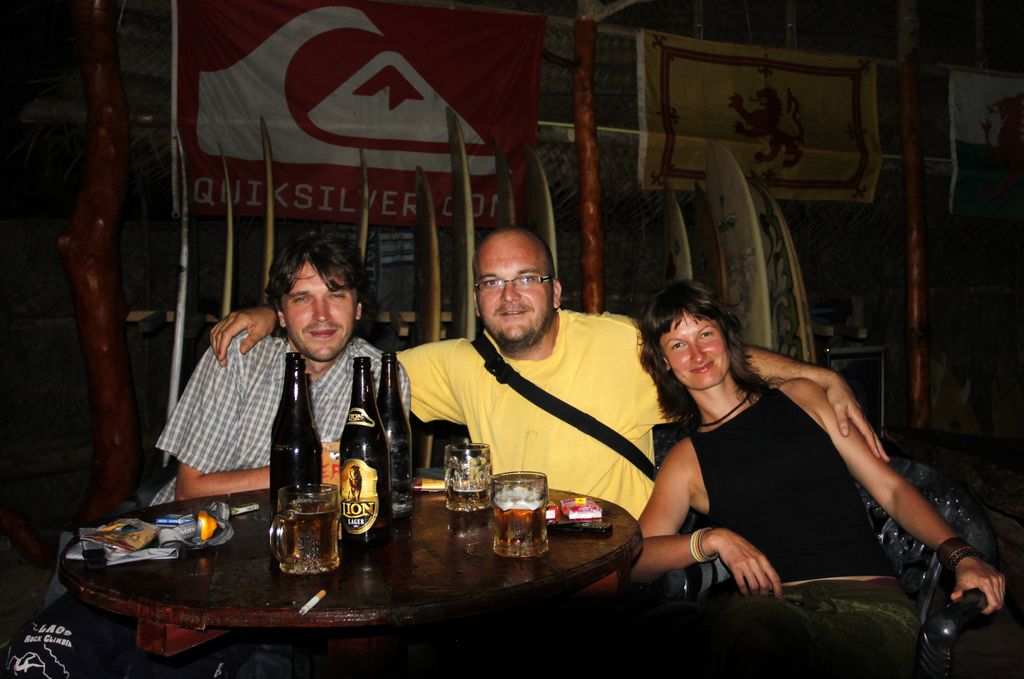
x=90 y=254
x=791 y=24
x=918 y=360
x=979 y=33
x=589 y=208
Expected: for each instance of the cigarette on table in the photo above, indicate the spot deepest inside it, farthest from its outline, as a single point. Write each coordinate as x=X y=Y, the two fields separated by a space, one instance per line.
x=313 y=602
x=424 y=485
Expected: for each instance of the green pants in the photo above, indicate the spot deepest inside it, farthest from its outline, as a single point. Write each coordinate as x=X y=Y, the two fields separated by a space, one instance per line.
x=825 y=628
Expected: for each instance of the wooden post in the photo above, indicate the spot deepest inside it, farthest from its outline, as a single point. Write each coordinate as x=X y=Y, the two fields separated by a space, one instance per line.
x=791 y=24
x=589 y=209
x=918 y=360
x=979 y=33
x=90 y=253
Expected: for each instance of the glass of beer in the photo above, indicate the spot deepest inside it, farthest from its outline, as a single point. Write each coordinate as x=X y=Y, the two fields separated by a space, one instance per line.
x=467 y=476
x=520 y=502
x=304 y=534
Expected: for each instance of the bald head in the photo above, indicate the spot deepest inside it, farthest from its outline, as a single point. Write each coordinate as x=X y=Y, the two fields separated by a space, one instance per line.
x=520 y=317
x=505 y=235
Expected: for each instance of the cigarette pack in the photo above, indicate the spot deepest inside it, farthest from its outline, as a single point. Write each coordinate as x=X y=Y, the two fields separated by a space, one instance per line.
x=581 y=509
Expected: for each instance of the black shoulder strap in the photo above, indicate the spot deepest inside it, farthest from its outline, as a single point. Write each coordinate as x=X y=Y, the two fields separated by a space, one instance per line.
x=506 y=374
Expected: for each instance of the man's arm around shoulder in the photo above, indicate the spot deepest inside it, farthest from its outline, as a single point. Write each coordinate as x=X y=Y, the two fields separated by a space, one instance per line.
x=777 y=369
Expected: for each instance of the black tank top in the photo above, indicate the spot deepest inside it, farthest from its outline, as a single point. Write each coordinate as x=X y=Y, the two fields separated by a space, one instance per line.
x=773 y=476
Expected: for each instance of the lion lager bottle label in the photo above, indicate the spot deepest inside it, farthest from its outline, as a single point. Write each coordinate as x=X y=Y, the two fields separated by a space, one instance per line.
x=366 y=466
x=359 y=502
x=360 y=418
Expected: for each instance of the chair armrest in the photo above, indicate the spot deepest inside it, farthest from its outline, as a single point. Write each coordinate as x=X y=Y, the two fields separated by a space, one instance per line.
x=940 y=631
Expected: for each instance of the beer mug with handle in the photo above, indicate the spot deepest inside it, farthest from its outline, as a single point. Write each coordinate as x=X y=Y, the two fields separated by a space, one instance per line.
x=304 y=534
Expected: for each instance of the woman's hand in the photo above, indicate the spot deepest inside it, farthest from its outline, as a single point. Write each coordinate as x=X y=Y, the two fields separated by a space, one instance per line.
x=749 y=566
x=973 y=572
x=257 y=321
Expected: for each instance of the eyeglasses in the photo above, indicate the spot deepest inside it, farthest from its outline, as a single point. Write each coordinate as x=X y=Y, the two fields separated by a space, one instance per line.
x=519 y=283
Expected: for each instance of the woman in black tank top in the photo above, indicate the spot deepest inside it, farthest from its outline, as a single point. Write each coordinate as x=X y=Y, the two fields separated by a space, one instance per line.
x=775 y=476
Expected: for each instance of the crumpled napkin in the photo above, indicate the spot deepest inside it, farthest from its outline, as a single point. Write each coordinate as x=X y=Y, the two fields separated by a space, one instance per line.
x=124 y=540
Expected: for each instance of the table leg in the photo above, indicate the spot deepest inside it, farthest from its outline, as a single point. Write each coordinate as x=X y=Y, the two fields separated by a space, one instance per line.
x=163 y=639
x=354 y=655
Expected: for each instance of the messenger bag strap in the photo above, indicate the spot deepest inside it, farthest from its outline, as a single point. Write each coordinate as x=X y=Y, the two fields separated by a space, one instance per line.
x=506 y=374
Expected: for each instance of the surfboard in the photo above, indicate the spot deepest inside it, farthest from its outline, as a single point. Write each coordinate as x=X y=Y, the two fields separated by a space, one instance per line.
x=791 y=314
x=428 y=264
x=505 y=215
x=706 y=258
x=428 y=294
x=463 y=235
x=540 y=216
x=180 y=312
x=677 y=243
x=363 y=226
x=227 y=289
x=268 y=210
x=732 y=210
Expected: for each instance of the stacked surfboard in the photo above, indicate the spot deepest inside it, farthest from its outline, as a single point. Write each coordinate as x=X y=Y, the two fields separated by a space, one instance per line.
x=743 y=250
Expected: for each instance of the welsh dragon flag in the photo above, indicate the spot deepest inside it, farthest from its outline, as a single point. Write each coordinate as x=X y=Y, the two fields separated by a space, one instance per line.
x=986 y=115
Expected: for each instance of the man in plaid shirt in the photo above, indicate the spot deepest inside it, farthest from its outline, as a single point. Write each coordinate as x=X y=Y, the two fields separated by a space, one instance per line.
x=220 y=430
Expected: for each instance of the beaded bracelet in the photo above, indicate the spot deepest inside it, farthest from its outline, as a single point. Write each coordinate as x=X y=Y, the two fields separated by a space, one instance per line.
x=695 y=546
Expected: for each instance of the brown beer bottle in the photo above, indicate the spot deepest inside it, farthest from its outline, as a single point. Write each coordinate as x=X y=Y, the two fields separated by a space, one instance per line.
x=398 y=433
x=365 y=467
x=295 y=446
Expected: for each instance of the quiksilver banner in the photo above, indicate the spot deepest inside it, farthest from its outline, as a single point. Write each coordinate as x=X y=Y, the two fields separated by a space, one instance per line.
x=332 y=78
x=807 y=124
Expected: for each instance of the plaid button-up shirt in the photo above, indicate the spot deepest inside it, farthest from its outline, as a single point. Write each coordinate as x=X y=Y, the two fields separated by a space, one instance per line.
x=224 y=419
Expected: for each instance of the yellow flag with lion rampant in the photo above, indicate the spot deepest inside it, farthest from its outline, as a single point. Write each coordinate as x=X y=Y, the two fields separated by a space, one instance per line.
x=807 y=124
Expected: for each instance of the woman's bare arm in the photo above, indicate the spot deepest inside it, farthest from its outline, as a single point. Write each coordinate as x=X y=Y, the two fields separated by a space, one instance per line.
x=665 y=550
x=899 y=499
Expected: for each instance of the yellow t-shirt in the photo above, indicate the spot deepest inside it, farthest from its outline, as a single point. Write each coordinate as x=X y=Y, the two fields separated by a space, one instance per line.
x=595 y=367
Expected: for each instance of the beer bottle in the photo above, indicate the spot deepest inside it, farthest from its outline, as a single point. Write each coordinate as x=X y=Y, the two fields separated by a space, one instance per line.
x=398 y=433
x=295 y=446
x=365 y=468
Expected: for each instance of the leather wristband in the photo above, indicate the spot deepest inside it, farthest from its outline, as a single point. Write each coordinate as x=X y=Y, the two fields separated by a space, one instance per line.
x=960 y=556
x=954 y=550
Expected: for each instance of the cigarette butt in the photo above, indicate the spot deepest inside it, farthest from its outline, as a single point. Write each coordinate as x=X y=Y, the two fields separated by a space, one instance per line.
x=313 y=602
x=428 y=485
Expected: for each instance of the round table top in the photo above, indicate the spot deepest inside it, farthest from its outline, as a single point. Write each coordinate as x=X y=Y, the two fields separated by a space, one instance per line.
x=438 y=565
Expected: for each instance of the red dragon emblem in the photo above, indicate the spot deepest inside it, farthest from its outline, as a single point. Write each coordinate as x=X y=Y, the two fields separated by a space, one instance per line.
x=1008 y=150
x=764 y=122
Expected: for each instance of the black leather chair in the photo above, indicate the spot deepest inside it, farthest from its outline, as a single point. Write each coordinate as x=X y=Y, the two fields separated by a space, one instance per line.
x=919 y=571
x=682 y=593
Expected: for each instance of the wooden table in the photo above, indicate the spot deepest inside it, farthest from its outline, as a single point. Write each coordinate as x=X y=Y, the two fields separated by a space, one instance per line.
x=439 y=565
